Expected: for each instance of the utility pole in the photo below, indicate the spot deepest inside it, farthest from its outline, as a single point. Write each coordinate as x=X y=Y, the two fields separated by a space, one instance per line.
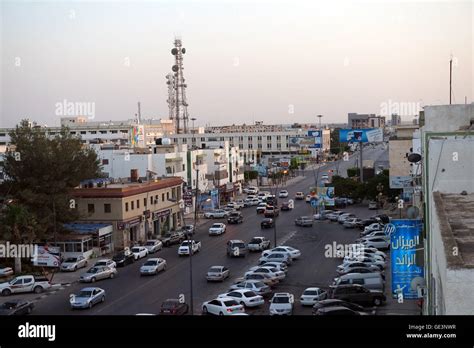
x=361 y=164
x=450 y=79
x=196 y=205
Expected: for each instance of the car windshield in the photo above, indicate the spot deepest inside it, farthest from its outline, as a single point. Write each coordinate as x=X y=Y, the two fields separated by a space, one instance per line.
x=170 y=304
x=150 y=243
x=150 y=263
x=119 y=256
x=101 y=263
x=281 y=299
x=71 y=259
x=135 y=250
x=9 y=305
x=229 y=303
x=214 y=270
x=87 y=293
x=249 y=294
x=216 y=226
x=185 y=243
x=255 y=241
x=310 y=292
x=93 y=270
x=238 y=245
x=259 y=284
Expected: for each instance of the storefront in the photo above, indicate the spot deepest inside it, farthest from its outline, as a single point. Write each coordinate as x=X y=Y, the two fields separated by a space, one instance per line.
x=131 y=229
x=161 y=222
x=86 y=240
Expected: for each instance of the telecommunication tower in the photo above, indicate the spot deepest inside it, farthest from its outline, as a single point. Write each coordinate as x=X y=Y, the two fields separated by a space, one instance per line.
x=178 y=105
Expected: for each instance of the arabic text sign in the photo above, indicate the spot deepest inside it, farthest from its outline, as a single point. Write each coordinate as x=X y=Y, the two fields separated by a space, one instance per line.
x=370 y=135
x=405 y=239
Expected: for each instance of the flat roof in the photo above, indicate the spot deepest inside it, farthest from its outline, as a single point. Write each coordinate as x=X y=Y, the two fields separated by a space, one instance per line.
x=456 y=223
x=84 y=227
x=127 y=189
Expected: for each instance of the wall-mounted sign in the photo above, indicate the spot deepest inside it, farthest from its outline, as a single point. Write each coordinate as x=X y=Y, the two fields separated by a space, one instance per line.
x=159 y=214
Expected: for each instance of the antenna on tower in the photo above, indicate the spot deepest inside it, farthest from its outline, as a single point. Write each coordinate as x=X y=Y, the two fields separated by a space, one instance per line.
x=450 y=77
x=177 y=96
x=139 y=114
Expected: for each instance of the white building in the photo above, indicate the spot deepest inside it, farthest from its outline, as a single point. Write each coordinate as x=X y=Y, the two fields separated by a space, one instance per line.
x=448 y=165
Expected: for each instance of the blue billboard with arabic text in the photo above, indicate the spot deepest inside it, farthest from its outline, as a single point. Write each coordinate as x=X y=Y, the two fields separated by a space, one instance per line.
x=369 y=135
x=407 y=270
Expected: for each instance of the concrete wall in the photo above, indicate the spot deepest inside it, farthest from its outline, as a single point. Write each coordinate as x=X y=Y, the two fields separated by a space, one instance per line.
x=397 y=150
x=447 y=118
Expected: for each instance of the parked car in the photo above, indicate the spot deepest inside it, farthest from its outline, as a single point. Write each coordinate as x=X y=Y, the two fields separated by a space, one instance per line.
x=278 y=257
x=366 y=222
x=351 y=265
x=16 y=307
x=311 y=295
x=217 y=229
x=261 y=208
x=286 y=206
x=344 y=217
x=365 y=259
x=351 y=222
x=371 y=281
x=222 y=306
x=281 y=266
x=246 y=298
x=73 y=263
x=332 y=302
x=235 y=205
x=299 y=196
x=265 y=278
x=258 y=244
x=25 y=283
x=336 y=310
x=271 y=212
x=188 y=230
x=98 y=273
x=381 y=234
x=217 y=273
x=105 y=263
x=174 y=307
x=364 y=270
x=281 y=304
x=153 y=266
x=266 y=223
x=216 y=214
x=139 y=252
x=153 y=245
x=374 y=227
x=304 y=221
x=358 y=294
x=380 y=243
x=249 y=202
x=270 y=271
x=294 y=253
x=87 y=298
x=236 y=248
x=334 y=215
x=172 y=238
x=251 y=190
x=259 y=287
x=235 y=218
x=5 y=271
x=283 y=194
x=320 y=216
x=124 y=258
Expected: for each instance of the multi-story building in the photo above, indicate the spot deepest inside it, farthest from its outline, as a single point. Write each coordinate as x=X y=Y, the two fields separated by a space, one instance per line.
x=447 y=139
x=396 y=120
x=360 y=121
x=136 y=210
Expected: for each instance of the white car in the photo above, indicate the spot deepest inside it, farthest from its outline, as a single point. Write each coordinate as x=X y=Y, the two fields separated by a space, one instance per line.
x=283 y=194
x=217 y=273
x=5 y=271
x=253 y=190
x=281 y=304
x=217 y=229
x=377 y=234
x=72 y=263
x=139 y=252
x=360 y=256
x=344 y=217
x=325 y=176
x=236 y=205
x=259 y=287
x=271 y=271
x=261 y=207
x=374 y=227
x=216 y=214
x=153 y=245
x=153 y=266
x=311 y=295
x=246 y=298
x=258 y=244
x=294 y=253
x=278 y=265
x=222 y=306
x=276 y=256
x=308 y=198
x=105 y=263
x=250 y=202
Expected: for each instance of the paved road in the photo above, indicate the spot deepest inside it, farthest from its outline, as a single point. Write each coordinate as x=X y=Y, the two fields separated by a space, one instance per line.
x=131 y=294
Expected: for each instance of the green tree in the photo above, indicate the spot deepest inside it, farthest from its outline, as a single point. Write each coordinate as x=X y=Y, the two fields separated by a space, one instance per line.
x=347 y=187
x=336 y=146
x=41 y=172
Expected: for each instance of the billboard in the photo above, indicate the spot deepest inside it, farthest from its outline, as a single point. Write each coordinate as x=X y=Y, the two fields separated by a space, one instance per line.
x=317 y=135
x=407 y=269
x=261 y=169
x=47 y=256
x=399 y=182
x=370 y=135
x=326 y=195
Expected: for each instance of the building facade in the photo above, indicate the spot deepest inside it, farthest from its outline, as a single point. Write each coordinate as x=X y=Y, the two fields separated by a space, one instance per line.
x=360 y=121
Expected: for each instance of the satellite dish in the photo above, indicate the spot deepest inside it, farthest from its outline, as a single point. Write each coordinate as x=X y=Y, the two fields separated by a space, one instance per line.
x=414 y=157
x=174 y=51
x=413 y=212
x=175 y=68
x=183 y=50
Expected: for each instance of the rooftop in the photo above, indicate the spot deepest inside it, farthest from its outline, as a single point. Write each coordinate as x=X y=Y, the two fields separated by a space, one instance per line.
x=456 y=223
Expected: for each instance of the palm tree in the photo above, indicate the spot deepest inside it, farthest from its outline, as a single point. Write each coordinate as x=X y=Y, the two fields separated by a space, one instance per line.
x=17 y=226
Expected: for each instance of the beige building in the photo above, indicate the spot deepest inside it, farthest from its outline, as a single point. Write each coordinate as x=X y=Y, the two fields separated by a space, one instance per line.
x=137 y=211
x=400 y=146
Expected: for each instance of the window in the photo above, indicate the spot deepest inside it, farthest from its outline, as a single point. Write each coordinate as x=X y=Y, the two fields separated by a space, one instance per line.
x=2 y=134
x=184 y=140
x=193 y=140
x=184 y=167
x=241 y=138
x=124 y=131
x=133 y=205
x=203 y=139
x=91 y=208
x=358 y=281
x=83 y=132
x=126 y=206
x=138 y=204
x=162 y=197
x=250 y=146
x=144 y=202
x=167 y=195
x=269 y=146
x=113 y=131
x=151 y=200
x=72 y=133
x=222 y=138
x=259 y=138
x=107 y=208
x=241 y=146
x=269 y=138
x=103 y=132
x=93 y=132
x=249 y=138
x=105 y=161
x=278 y=146
x=278 y=137
x=259 y=146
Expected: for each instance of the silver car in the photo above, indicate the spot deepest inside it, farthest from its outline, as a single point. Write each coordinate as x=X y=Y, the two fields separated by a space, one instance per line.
x=98 y=273
x=217 y=273
x=87 y=298
x=260 y=288
x=153 y=266
x=73 y=263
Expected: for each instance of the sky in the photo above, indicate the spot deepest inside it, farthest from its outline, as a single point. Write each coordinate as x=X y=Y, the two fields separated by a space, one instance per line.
x=246 y=61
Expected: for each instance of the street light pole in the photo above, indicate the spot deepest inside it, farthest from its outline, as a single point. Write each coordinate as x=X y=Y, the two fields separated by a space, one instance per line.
x=196 y=205
x=193 y=119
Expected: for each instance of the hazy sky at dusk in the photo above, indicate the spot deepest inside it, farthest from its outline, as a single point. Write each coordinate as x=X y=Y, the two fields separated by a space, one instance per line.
x=246 y=60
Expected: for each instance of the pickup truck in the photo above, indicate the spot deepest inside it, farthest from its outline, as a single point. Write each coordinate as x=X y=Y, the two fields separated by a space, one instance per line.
x=26 y=283
x=271 y=212
x=258 y=244
x=172 y=238
x=184 y=247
